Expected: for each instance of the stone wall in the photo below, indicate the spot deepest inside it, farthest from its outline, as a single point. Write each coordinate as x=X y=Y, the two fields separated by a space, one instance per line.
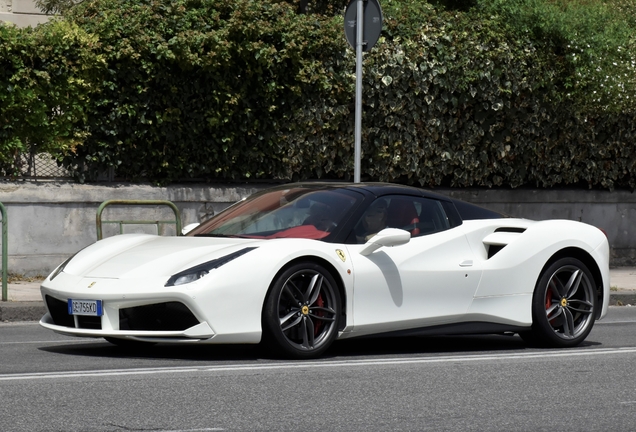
x=47 y=222
x=22 y=13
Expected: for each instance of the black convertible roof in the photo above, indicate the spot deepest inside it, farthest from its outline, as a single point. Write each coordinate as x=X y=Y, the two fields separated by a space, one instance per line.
x=466 y=210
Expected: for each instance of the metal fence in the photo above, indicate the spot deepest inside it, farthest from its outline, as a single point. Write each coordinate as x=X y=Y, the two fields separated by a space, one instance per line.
x=40 y=166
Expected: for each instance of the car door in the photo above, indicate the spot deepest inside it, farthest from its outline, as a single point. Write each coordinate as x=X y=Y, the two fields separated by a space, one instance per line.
x=429 y=280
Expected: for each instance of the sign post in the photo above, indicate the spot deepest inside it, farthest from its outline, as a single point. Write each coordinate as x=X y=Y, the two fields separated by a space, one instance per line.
x=363 y=25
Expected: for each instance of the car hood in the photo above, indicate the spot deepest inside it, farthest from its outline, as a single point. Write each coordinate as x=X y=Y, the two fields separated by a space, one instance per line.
x=139 y=255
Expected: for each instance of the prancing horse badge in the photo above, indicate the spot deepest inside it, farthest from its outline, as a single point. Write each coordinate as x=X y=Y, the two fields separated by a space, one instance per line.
x=341 y=255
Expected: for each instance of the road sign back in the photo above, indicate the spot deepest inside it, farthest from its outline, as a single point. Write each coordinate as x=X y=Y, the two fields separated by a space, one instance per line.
x=372 y=23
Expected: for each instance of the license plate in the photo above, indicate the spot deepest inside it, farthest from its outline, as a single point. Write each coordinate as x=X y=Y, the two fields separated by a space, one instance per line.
x=85 y=307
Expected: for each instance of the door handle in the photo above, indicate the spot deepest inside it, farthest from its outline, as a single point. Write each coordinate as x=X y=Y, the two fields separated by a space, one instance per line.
x=466 y=263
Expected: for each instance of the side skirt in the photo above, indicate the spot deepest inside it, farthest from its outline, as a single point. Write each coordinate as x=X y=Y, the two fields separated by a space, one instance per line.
x=454 y=329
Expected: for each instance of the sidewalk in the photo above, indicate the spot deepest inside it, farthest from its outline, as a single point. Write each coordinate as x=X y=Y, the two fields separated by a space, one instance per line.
x=25 y=302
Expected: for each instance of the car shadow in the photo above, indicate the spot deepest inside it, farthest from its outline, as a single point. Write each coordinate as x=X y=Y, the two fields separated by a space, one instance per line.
x=343 y=349
x=467 y=344
x=191 y=352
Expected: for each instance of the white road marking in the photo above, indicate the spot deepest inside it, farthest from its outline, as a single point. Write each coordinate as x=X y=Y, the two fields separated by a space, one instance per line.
x=184 y=430
x=318 y=364
x=614 y=322
x=187 y=430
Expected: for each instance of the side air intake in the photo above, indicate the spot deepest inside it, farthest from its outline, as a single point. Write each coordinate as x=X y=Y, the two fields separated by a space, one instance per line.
x=501 y=238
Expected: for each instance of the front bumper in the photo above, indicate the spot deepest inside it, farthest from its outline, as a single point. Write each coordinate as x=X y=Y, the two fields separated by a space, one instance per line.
x=160 y=321
x=199 y=332
x=146 y=310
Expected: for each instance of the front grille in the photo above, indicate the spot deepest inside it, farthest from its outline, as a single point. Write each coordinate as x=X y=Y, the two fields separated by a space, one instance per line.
x=89 y=322
x=170 y=316
x=59 y=312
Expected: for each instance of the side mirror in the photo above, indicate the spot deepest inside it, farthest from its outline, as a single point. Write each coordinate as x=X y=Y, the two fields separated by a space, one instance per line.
x=189 y=227
x=388 y=237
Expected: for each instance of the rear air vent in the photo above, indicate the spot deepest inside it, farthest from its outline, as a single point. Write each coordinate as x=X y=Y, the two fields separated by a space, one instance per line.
x=501 y=238
x=510 y=230
x=493 y=249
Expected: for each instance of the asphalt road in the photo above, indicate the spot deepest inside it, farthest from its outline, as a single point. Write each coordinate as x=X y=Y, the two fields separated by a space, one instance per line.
x=478 y=383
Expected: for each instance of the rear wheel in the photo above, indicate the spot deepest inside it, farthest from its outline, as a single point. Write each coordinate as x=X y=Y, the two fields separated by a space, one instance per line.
x=302 y=312
x=563 y=306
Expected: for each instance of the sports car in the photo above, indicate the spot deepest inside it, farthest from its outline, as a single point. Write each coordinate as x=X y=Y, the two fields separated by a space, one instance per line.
x=300 y=265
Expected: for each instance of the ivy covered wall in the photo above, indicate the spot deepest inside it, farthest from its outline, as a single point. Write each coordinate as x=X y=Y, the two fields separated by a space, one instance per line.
x=456 y=93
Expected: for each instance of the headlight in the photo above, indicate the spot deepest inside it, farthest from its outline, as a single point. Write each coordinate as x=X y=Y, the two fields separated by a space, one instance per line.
x=197 y=272
x=61 y=267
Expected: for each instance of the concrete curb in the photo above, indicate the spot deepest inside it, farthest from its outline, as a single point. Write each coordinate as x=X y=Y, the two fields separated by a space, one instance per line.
x=623 y=298
x=21 y=311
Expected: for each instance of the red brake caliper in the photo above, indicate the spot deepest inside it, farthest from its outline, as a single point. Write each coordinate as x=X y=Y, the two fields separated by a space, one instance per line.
x=548 y=300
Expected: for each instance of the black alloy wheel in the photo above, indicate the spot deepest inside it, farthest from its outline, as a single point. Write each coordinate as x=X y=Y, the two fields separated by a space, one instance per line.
x=302 y=312
x=564 y=305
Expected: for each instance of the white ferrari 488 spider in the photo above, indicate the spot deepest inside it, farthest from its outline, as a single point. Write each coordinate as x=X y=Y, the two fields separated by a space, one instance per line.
x=301 y=265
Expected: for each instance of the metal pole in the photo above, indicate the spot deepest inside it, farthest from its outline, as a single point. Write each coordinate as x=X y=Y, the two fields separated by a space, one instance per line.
x=103 y=205
x=5 y=252
x=358 y=125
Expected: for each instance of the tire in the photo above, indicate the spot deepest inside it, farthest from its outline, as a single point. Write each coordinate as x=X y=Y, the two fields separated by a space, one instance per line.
x=563 y=306
x=301 y=315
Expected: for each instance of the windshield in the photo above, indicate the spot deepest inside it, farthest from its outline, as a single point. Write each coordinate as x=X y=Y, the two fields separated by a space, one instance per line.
x=298 y=212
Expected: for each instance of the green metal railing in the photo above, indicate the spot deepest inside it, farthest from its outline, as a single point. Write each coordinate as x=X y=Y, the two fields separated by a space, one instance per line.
x=121 y=223
x=5 y=252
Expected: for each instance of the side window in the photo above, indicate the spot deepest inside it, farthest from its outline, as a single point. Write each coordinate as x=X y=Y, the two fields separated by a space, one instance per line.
x=419 y=216
x=431 y=217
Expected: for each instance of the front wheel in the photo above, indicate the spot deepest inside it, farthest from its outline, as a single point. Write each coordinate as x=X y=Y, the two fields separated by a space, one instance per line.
x=302 y=311
x=564 y=305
